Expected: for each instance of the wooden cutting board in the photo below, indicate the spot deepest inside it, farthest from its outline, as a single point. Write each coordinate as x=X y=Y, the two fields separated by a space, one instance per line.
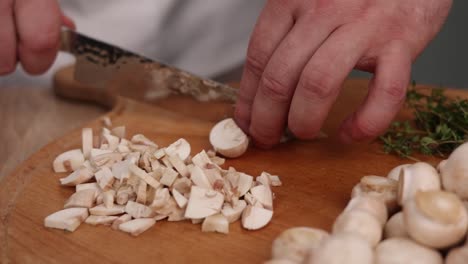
x=317 y=180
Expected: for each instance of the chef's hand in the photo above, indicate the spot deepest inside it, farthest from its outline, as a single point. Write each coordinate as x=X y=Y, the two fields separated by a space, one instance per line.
x=301 y=51
x=29 y=33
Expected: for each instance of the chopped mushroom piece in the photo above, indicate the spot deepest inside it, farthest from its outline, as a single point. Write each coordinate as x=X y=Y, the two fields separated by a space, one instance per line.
x=108 y=198
x=137 y=210
x=67 y=219
x=137 y=226
x=262 y=194
x=84 y=198
x=169 y=176
x=216 y=223
x=112 y=141
x=141 y=192
x=179 y=198
x=119 y=131
x=68 y=161
x=201 y=205
x=202 y=160
x=233 y=213
x=228 y=139
x=102 y=210
x=180 y=148
x=104 y=178
x=254 y=218
x=198 y=177
x=244 y=184
x=179 y=165
x=80 y=175
x=122 y=219
x=100 y=220
x=87 y=141
x=182 y=185
x=88 y=186
x=144 y=176
x=140 y=139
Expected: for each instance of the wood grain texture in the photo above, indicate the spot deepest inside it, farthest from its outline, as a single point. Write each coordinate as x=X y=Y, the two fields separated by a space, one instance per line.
x=317 y=179
x=32 y=117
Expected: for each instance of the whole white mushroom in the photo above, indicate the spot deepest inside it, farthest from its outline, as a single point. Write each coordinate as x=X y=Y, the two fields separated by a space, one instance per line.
x=436 y=219
x=404 y=251
x=454 y=172
x=420 y=176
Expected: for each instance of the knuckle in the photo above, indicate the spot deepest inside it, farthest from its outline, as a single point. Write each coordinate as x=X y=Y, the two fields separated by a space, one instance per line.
x=317 y=85
x=394 y=92
x=368 y=128
x=38 y=41
x=273 y=89
x=256 y=60
x=300 y=131
x=263 y=137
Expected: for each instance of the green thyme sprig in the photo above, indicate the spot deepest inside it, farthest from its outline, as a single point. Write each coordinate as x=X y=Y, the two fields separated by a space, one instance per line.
x=440 y=125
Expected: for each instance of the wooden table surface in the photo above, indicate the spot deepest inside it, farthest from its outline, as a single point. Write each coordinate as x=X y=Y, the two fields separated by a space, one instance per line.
x=32 y=117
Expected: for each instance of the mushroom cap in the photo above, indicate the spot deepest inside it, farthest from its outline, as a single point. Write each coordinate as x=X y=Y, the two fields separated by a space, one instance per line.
x=254 y=218
x=181 y=147
x=359 y=223
x=378 y=187
x=395 y=227
x=457 y=256
x=454 y=172
x=68 y=161
x=228 y=139
x=394 y=174
x=417 y=177
x=295 y=243
x=370 y=204
x=403 y=250
x=342 y=248
x=436 y=219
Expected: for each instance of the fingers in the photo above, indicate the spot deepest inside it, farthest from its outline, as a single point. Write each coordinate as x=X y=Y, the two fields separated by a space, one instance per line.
x=280 y=77
x=274 y=23
x=386 y=95
x=38 y=25
x=67 y=21
x=7 y=38
x=323 y=76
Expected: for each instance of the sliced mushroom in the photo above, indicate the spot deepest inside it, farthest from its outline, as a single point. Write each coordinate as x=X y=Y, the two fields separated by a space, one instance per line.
x=359 y=223
x=108 y=198
x=104 y=178
x=144 y=176
x=67 y=219
x=180 y=148
x=264 y=179
x=244 y=184
x=233 y=213
x=202 y=204
x=141 y=192
x=179 y=198
x=395 y=227
x=102 y=210
x=137 y=226
x=87 y=141
x=122 y=219
x=124 y=194
x=161 y=198
x=342 y=248
x=417 y=177
x=263 y=194
x=137 y=210
x=454 y=172
x=169 y=176
x=198 y=176
x=89 y=186
x=254 y=218
x=403 y=250
x=216 y=223
x=100 y=220
x=112 y=141
x=68 y=161
x=436 y=219
x=121 y=170
x=142 y=140
x=105 y=160
x=179 y=165
x=294 y=244
x=84 y=198
x=79 y=176
x=228 y=139
x=182 y=185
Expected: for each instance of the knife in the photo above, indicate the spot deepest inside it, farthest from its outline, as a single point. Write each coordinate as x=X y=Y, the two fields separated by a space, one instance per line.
x=100 y=64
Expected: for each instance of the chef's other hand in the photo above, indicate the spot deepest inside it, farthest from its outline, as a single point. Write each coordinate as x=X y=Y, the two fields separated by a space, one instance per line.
x=29 y=34
x=301 y=51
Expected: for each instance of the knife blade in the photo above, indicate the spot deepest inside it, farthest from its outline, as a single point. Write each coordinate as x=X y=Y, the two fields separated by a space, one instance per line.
x=98 y=64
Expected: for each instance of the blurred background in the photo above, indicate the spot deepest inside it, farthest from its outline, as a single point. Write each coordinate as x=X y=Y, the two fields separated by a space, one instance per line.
x=209 y=37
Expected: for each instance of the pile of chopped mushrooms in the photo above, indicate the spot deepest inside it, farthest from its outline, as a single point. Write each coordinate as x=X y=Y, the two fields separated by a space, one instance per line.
x=131 y=184
x=415 y=215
